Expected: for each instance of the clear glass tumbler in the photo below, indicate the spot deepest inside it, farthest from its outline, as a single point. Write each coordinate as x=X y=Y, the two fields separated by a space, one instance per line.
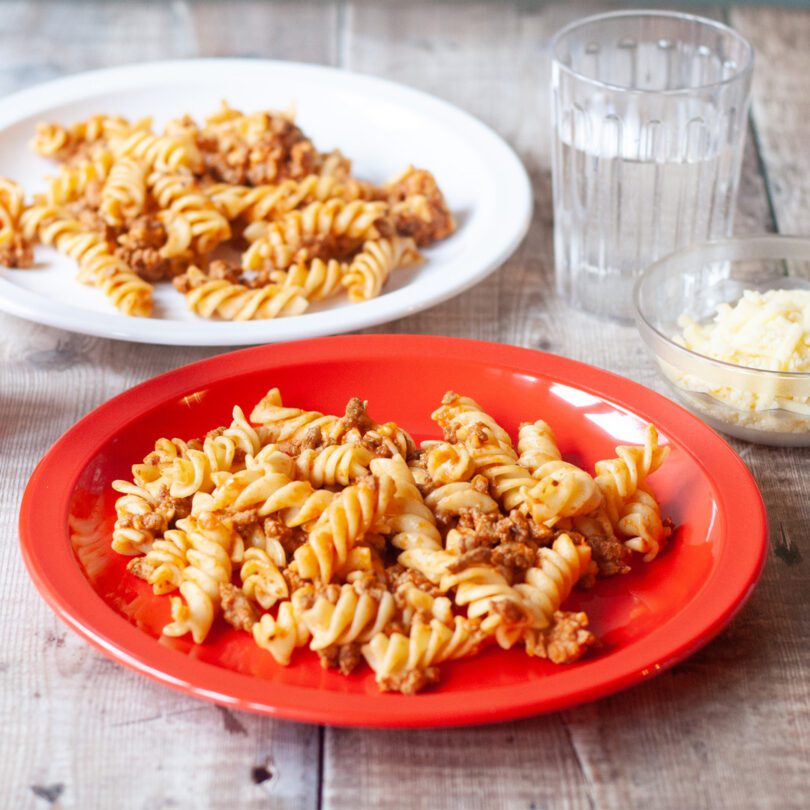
x=650 y=113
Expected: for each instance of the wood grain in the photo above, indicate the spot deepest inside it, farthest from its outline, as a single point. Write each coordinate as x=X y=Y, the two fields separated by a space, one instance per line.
x=729 y=728
x=781 y=106
x=77 y=728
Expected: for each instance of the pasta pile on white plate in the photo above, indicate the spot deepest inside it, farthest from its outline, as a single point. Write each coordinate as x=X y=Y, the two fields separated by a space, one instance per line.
x=243 y=213
x=338 y=534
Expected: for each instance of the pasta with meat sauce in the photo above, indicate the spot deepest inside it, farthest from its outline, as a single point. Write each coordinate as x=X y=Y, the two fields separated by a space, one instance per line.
x=241 y=213
x=338 y=533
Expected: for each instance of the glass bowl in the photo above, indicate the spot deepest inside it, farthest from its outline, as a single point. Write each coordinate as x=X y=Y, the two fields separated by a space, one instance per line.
x=757 y=405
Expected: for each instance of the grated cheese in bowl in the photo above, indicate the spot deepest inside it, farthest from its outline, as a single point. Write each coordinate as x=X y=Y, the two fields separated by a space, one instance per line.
x=768 y=331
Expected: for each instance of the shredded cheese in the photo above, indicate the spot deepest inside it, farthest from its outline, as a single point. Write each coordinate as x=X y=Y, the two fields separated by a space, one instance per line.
x=763 y=331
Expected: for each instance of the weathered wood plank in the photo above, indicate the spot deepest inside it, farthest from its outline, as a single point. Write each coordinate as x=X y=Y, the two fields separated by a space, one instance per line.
x=781 y=106
x=675 y=741
x=78 y=729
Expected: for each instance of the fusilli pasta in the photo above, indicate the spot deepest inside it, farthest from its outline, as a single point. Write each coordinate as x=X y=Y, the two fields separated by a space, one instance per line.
x=306 y=529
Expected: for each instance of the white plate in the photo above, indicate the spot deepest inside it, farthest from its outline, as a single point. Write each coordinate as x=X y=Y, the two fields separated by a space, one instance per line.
x=381 y=126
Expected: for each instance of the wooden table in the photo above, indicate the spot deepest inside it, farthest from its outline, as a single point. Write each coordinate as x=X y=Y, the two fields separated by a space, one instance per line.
x=729 y=728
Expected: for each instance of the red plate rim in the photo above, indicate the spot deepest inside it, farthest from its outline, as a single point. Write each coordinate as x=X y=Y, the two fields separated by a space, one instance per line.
x=44 y=510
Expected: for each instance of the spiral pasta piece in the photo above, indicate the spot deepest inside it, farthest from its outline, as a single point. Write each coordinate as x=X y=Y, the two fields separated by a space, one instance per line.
x=462 y=415
x=209 y=566
x=404 y=663
x=74 y=180
x=293 y=424
x=15 y=246
x=509 y=483
x=192 y=221
x=124 y=194
x=163 y=565
x=335 y=465
x=370 y=269
x=282 y=635
x=417 y=604
x=262 y=580
x=272 y=492
x=165 y=153
x=347 y=614
x=349 y=516
x=54 y=226
x=537 y=446
x=265 y=202
x=450 y=500
x=550 y=583
x=563 y=489
x=97 y=265
x=620 y=477
x=448 y=463
x=56 y=141
x=641 y=523
x=235 y=302
x=280 y=241
x=407 y=519
x=139 y=519
x=317 y=279
x=127 y=291
x=193 y=472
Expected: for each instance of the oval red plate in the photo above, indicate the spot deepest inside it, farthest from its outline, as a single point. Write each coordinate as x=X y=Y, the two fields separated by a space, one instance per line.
x=647 y=620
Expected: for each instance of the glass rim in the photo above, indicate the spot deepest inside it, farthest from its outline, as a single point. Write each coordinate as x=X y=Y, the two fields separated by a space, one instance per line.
x=744 y=71
x=780 y=242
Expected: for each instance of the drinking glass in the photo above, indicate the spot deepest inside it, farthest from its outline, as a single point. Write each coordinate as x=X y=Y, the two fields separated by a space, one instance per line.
x=649 y=110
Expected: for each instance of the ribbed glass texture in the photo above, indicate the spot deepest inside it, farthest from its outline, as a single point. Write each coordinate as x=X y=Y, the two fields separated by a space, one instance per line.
x=649 y=112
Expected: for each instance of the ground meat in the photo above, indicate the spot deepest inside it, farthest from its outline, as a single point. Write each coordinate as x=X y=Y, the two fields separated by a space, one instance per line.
x=312 y=440
x=480 y=555
x=140 y=248
x=403 y=580
x=172 y=508
x=609 y=554
x=514 y=558
x=566 y=639
x=141 y=567
x=526 y=530
x=368 y=582
x=281 y=151
x=449 y=434
x=510 y=612
x=418 y=207
x=227 y=271
x=355 y=417
x=246 y=517
x=17 y=253
x=479 y=435
x=150 y=522
x=181 y=507
x=182 y=283
x=236 y=607
x=91 y=218
x=344 y=657
x=409 y=683
x=290 y=538
x=481 y=529
x=376 y=444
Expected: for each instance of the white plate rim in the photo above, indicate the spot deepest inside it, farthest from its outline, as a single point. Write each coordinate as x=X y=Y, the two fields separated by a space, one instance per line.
x=517 y=206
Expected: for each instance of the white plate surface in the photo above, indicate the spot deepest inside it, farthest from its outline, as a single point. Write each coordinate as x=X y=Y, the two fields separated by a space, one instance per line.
x=381 y=126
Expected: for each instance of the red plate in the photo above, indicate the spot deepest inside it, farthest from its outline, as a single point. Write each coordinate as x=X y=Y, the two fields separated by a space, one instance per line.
x=647 y=621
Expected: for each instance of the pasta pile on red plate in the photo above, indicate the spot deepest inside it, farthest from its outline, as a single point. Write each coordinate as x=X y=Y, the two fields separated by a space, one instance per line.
x=242 y=213
x=338 y=534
